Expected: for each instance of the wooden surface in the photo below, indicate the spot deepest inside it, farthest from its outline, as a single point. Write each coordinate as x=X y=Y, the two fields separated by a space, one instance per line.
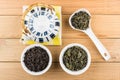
x=105 y=24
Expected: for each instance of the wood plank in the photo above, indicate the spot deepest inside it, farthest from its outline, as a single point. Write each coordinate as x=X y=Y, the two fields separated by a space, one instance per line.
x=104 y=26
x=101 y=71
x=11 y=49
x=14 y=7
x=10 y=26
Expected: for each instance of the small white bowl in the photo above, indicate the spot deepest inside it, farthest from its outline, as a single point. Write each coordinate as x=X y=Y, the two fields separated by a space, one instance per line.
x=40 y=72
x=66 y=69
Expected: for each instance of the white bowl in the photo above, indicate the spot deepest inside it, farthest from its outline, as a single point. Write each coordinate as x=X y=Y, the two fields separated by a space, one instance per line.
x=40 y=72
x=66 y=69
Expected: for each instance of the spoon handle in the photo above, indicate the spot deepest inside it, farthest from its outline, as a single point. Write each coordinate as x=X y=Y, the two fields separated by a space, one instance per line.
x=103 y=51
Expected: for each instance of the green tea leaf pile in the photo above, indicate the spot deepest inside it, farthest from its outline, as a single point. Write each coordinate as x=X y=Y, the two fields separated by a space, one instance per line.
x=80 y=20
x=75 y=58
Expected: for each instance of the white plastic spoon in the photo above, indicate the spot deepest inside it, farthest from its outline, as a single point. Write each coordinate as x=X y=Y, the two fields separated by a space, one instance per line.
x=103 y=51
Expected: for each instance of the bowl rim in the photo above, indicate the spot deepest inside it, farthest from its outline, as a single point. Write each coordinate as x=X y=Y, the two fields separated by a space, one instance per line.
x=66 y=69
x=32 y=72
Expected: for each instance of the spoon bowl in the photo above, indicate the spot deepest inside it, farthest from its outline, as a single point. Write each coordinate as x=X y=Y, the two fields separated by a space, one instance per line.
x=84 y=10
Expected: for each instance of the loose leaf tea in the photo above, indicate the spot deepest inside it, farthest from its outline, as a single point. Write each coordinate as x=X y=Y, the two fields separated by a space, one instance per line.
x=75 y=58
x=36 y=59
x=80 y=20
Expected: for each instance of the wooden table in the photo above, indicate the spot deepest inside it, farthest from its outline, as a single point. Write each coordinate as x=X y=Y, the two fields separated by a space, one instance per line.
x=105 y=24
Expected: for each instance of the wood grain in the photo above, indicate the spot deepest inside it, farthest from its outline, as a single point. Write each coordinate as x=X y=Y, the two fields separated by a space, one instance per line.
x=99 y=71
x=14 y=7
x=11 y=49
x=104 y=26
